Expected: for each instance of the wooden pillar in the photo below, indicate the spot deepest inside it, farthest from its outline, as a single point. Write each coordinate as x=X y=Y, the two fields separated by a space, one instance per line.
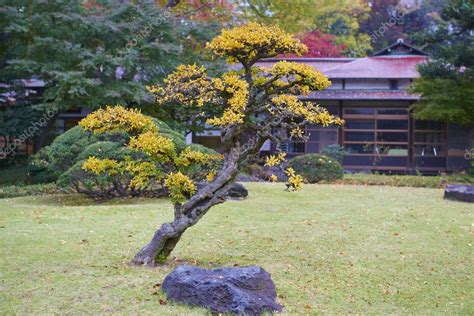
x=411 y=143
x=341 y=129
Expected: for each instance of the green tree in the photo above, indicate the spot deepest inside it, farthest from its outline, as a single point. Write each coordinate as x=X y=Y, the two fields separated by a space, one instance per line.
x=91 y=53
x=446 y=84
x=215 y=11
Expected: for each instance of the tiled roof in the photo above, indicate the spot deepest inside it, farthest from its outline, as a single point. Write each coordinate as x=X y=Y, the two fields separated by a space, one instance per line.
x=383 y=67
x=378 y=67
x=361 y=95
x=321 y=64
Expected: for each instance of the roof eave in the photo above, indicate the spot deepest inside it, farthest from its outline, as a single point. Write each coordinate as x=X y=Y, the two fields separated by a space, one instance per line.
x=308 y=59
x=417 y=51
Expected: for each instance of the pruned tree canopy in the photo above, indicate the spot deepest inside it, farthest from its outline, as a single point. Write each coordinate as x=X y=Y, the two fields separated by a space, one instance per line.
x=251 y=103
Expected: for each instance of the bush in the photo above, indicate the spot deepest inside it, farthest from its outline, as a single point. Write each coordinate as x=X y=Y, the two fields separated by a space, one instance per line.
x=335 y=152
x=100 y=186
x=103 y=186
x=14 y=170
x=28 y=190
x=15 y=174
x=315 y=168
x=405 y=180
x=62 y=162
x=51 y=161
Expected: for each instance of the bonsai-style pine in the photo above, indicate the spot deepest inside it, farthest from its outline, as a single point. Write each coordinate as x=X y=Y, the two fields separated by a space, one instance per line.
x=248 y=106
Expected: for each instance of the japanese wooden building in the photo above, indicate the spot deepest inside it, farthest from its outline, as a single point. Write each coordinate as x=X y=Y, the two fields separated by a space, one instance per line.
x=370 y=94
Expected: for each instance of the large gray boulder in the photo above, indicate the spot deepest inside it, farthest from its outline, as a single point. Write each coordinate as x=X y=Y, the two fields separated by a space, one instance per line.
x=244 y=291
x=458 y=192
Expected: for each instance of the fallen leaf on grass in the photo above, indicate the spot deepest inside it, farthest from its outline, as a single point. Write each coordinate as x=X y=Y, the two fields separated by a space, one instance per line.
x=163 y=302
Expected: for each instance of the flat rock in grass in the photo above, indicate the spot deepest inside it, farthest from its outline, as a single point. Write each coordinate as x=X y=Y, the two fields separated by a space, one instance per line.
x=243 y=290
x=238 y=191
x=458 y=192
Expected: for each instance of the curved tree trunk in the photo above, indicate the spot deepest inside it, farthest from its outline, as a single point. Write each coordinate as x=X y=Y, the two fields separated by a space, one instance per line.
x=188 y=214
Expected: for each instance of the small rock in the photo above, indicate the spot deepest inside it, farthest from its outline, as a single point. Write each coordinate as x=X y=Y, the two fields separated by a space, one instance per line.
x=238 y=191
x=244 y=290
x=458 y=192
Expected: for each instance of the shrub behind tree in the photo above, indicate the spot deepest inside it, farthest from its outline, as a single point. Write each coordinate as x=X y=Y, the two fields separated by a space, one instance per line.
x=63 y=162
x=315 y=168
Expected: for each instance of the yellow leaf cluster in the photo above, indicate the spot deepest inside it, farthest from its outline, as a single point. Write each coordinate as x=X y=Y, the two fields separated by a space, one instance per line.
x=235 y=91
x=307 y=77
x=273 y=178
x=99 y=166
x=189 y=156
x=180 y=186
x=297 y=133
x=156 y=146
x=295 y=182
x=210 y=176
x=142 y=173
x=307 y=110
x=247 y=42
x=188 y=85
x=274 y=160
x=114 y=118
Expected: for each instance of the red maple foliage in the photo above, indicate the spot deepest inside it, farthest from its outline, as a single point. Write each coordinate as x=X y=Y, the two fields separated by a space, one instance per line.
x=320 y=45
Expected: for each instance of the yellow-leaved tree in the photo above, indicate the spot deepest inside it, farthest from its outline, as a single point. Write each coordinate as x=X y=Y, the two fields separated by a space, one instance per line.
x=246 y=105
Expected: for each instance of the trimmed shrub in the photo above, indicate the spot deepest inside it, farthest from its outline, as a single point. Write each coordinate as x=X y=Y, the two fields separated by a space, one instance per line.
x=62 y=162
x=15 y=174
x=315 y=168
x=104 y=186
x=13 y=191
x=51 y=161
x=405 y=180
x=108 y=149
x=177 y=137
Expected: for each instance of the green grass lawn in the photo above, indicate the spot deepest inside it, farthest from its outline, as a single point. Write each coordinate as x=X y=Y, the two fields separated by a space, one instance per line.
x=331 y=249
